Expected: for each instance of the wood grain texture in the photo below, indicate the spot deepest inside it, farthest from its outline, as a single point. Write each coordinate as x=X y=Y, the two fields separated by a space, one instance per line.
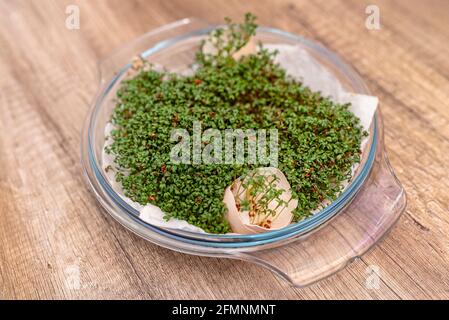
x=50 y=223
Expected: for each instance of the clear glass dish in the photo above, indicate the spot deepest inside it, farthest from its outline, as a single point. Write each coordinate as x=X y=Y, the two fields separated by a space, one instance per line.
x=303 y=252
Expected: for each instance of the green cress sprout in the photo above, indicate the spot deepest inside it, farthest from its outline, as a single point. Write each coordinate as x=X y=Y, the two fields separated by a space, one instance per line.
x=319 y=140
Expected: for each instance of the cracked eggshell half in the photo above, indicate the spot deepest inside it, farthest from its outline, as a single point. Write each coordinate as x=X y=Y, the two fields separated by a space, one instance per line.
x=247 y=49
x=240 y=220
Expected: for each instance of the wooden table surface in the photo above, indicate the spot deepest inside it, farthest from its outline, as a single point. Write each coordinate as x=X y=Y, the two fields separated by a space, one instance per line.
x=56 y=241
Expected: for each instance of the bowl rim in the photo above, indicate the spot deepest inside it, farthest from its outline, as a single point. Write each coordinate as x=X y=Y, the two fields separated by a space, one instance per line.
x=237 y=240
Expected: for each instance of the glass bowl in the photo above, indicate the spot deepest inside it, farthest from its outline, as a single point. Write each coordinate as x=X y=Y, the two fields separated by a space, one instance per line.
x=343 y=230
